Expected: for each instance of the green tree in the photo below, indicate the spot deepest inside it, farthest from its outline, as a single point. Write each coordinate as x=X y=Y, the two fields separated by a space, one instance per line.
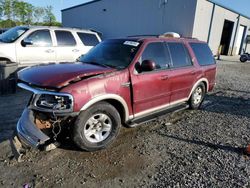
x=17 y=12
x=38 y=14
x=49 y=16
x=23 y=11
x=7 y=8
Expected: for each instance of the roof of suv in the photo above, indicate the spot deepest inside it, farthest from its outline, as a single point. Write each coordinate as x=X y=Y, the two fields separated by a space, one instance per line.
x=157 y=38
x=61 y=28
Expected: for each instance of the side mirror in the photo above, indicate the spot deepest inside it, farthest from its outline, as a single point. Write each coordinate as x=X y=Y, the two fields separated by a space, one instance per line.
x=26 y=42
x=147 y=66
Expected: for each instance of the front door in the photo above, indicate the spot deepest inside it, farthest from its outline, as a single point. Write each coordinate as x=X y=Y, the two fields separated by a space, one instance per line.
x=151 y=90
x=39 y=50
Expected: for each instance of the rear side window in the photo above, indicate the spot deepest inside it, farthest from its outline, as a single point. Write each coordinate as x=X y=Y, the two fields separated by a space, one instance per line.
x=88 y=39
x=157 y=52
x=203 y=54
x=179 y=54
x=65 y=38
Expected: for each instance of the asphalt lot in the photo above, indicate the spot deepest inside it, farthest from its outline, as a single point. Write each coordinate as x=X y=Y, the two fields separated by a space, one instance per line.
x=186 y=149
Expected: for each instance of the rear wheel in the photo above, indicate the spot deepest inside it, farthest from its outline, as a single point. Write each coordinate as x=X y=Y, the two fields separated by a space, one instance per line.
x=197 y=96
x=97 y=127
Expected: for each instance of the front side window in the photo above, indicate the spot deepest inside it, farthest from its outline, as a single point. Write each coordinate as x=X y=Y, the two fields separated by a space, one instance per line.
x=88 y=39
x=112 y=53
x=157 y=53
x=203 y=54
x=179 y=55
x=40 y=38
x=13 y=34
x=65 y=38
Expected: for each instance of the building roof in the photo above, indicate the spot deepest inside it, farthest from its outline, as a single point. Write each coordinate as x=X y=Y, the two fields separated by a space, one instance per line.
x=211 y=1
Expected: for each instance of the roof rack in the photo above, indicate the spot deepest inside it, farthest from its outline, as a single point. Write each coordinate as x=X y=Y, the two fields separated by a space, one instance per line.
x=143 y=36
x=189 y=38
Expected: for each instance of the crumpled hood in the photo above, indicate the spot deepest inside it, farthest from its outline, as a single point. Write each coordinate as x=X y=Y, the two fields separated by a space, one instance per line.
x=59 y=75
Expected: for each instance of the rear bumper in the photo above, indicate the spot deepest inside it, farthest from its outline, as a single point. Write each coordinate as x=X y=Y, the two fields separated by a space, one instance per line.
x=27 y=131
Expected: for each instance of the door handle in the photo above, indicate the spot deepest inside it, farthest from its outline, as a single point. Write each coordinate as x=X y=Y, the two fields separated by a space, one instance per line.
x=49 y=51
x=165 y=77
x=75 y=50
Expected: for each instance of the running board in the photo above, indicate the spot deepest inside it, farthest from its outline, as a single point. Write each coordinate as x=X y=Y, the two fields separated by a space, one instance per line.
x=154 y=115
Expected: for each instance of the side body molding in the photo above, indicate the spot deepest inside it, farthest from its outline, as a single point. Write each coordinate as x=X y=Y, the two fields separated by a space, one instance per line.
x=106 y=97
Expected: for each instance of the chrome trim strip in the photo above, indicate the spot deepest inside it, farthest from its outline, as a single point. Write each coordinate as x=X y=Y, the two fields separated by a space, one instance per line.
x=160 y=107
x=39 y=91
x=105 y=97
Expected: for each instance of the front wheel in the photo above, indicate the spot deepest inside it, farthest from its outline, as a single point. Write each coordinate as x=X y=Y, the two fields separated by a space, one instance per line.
x=96 y=127
x=197 y=96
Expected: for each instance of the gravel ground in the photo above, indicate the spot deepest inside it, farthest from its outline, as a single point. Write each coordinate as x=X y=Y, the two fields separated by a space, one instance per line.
x=186 y=149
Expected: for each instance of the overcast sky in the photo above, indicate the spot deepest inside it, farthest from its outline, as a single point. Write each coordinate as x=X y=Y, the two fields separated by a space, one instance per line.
x=242 y=6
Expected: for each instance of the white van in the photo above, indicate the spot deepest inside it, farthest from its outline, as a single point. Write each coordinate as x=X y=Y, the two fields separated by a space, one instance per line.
x=31 y=45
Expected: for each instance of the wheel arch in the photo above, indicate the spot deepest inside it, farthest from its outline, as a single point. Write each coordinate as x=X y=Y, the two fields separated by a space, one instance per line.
x=202 y=80
x=115 y=100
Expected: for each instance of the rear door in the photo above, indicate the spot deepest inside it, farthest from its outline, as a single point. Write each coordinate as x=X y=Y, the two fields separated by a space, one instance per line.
x=151 y=90
x=66 y=48
x=183 y=72
x=88 y=40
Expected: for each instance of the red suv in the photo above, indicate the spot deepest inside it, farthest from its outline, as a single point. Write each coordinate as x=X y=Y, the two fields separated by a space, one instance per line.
x=119 y=82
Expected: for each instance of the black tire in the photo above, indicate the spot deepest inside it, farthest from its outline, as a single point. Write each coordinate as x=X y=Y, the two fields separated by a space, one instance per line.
x=193 y=102
x=81 y=124
x=243 y=59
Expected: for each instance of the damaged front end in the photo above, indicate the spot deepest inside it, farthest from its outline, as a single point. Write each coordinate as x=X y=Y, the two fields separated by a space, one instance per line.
x=43 y=118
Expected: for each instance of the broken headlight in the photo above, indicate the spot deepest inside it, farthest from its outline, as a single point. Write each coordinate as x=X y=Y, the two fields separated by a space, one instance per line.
x=54 y=103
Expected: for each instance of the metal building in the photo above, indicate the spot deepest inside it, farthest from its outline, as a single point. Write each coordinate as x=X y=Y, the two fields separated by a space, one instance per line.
x=203 y=19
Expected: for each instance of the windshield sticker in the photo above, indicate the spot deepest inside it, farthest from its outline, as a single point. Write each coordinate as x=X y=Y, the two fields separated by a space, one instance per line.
x=131 y=43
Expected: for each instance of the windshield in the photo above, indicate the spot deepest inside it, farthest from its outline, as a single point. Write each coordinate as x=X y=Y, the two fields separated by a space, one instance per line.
x=112 y=53
x=12 y=34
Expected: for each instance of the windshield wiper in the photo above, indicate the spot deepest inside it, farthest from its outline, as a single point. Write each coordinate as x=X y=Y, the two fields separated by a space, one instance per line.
x=96 y=63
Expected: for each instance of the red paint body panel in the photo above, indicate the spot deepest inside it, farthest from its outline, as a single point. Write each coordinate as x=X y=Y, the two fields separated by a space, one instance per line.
x=88 y=89
x=59 y=75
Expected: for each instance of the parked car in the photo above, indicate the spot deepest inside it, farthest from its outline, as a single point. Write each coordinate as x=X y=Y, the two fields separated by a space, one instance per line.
x=30 y=45
x=119 y=82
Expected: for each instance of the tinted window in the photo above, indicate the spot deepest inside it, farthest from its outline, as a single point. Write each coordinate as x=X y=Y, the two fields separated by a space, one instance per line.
x=65 y=38
x=157 y=52
x=179 y=54
x=88 y=39
x=203 y=53
x=40 y=38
